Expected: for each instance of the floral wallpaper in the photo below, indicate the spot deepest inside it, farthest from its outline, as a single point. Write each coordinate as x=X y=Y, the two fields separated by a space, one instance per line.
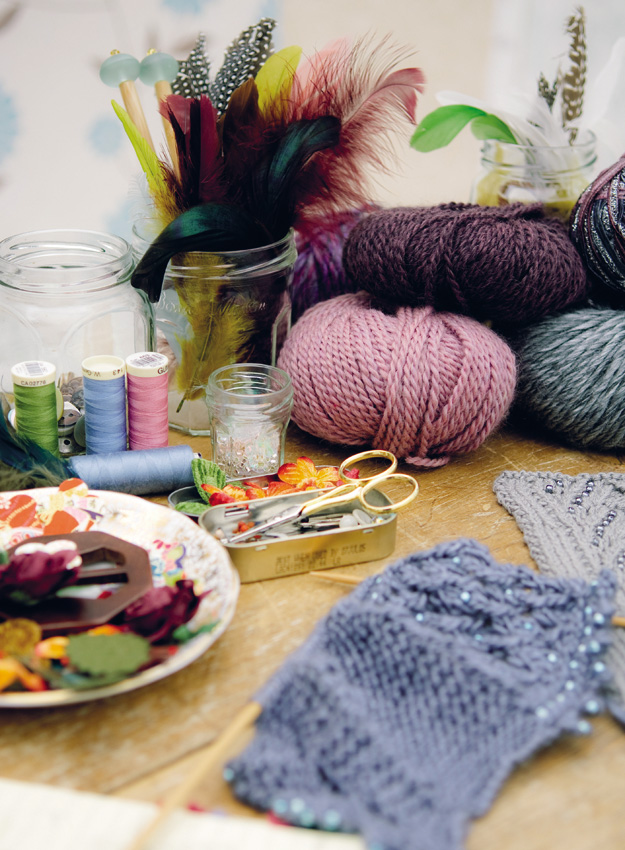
x=65 y=161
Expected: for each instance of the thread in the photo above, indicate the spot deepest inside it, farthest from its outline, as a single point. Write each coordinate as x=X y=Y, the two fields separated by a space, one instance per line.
x=508 y=264
x=572 y=376
x=146 y=385
x=34 y=392
x=140 y=472
x=422 y=384
x=104 y=385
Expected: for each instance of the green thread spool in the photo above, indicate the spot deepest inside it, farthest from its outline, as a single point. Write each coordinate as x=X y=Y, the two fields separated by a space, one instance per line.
x=35 y=395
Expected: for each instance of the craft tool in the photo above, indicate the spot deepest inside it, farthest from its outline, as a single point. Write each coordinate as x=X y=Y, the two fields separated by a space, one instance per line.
x=104 y=385
x=351 y=490
x=36 y=412
x=147 y=378
x=121 y=70
x=342 y=578
x=160 y=70
x=213 y=756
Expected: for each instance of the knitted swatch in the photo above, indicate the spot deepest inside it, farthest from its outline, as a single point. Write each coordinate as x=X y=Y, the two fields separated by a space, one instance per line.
x=574 y=527
x=403 y=713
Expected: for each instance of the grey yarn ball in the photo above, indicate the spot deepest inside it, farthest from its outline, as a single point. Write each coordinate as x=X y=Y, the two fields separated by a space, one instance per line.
x=571 y=376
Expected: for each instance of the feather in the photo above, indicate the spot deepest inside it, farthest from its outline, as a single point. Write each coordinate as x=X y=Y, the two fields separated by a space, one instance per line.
x=275 y=80
x=193 y=78
x=208 y=227
x=274 y=184
x=244 y=58
x=152 y=168
x=25 y=464
x=369 y=97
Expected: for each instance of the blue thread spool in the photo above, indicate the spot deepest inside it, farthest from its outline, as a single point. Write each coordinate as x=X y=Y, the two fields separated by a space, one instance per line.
x=138 y=472
x=104 y=383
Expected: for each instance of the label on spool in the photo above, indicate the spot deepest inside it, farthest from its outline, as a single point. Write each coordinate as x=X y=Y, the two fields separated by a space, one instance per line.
x=147 y=364
x=33 y=373
x=103 y=367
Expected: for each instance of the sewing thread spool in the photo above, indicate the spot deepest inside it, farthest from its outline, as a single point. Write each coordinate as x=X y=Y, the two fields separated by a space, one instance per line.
x=146 y=384
x=104 y=385
x=34 y=390
x=138 y=472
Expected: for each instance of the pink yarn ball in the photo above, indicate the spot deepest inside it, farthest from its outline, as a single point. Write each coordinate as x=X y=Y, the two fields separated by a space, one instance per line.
x=422 y=384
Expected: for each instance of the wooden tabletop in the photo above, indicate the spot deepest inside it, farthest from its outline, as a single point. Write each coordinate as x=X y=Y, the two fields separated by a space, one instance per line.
x=142 y=744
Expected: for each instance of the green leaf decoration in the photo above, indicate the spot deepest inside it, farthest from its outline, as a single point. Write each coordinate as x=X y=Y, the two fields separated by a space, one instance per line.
x=183 y=633
x=192 y=508
x=207 y=472
x=4 y=556
x=488 y=126
x=439 y=127
x=116 y=655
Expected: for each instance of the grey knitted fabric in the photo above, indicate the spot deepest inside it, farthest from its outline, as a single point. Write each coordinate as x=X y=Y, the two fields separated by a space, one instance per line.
x=574 y=526
x=403 y=713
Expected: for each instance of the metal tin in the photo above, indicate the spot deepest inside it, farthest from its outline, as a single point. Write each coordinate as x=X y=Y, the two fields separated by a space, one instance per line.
x=300 y=553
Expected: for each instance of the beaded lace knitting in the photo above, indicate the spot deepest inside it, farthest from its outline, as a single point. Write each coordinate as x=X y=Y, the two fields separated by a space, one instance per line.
x=413 y=699
x=574 y=526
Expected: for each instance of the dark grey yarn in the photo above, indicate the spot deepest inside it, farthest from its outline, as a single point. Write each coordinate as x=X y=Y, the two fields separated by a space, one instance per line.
x=403 y=713
x=571 y=376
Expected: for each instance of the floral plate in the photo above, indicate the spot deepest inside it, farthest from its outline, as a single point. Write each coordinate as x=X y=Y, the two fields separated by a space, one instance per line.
x=177 y=549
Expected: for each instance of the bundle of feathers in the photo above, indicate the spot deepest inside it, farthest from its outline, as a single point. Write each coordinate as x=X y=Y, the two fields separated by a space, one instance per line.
x=295 y=143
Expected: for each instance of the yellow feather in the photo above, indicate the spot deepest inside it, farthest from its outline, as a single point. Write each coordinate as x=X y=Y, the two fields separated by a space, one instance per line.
x=275 y=79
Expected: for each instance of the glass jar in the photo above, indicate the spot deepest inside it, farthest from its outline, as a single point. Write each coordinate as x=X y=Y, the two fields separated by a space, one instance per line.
x=66 y=295
x=249 y=405
x=215 y=310
x=529 y=174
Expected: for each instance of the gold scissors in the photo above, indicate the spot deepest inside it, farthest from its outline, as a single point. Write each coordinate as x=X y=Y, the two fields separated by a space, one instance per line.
x=348 y=491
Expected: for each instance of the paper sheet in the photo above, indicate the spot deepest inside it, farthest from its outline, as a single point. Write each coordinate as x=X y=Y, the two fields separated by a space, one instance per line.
x=43 y=817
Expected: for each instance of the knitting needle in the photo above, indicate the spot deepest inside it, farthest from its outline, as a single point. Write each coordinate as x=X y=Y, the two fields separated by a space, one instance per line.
x=213 y=756
x=121 y=70
x=160 y=70
x=343 y=578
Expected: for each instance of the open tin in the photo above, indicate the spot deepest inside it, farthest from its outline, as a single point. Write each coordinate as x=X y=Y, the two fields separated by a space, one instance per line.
x=257 y=560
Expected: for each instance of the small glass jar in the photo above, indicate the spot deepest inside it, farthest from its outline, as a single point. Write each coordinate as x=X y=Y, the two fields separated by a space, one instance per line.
x=529 y=174
x=249 y=406
x=66 y=295
x=215 y=310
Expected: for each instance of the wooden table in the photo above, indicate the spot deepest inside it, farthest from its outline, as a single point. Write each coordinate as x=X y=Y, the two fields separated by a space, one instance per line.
x=142 y=744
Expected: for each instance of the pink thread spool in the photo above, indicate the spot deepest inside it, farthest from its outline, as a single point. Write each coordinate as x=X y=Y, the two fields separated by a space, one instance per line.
x=147 y=400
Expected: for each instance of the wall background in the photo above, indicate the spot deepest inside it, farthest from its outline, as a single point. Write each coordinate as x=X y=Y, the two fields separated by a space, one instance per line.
x=65 y=161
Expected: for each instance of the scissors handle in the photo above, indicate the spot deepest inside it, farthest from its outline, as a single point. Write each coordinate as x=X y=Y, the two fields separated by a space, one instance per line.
x=383 y=478
x=338 y=496
x=371 y=453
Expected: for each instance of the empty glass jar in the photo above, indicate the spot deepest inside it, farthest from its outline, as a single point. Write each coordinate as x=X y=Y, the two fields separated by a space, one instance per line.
x=66 y=295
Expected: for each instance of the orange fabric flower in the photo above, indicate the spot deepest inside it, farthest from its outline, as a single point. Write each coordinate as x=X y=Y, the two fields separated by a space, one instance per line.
x=304 y=475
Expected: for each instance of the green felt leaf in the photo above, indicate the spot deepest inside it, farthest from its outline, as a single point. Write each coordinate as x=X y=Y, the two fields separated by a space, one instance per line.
x=439 y=127
x=207 y=472
x=108 y=655
x=442 y=125
x=193 y=508
x=488 y=126
x=4 y=556
x=183 y=633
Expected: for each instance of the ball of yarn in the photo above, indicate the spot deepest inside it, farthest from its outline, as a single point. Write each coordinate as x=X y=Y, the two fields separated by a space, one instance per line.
x=509 y=264
x=572 y=376
x=422 y=384
x=598 y=227
x=318 y=273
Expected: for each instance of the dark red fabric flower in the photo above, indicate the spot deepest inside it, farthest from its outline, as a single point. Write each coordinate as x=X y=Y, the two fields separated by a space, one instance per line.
x=161 y=610
x=31 y=576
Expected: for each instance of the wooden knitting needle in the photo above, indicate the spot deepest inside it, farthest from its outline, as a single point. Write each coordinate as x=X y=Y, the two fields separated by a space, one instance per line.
x=212 y=757
x=160 y=70
x=343 y=578
x=121 y=70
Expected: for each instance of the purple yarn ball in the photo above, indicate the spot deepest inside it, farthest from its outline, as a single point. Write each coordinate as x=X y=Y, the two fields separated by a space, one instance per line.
x=509 y=264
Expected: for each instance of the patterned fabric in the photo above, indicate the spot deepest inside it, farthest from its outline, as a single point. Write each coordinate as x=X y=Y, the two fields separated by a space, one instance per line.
x=411 y=702
x=574 y=526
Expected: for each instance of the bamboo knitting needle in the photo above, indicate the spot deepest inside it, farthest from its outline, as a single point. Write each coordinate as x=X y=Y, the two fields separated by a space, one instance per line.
x=343 y=578
x=121 y=70
x=212 y=757
x=160 y=70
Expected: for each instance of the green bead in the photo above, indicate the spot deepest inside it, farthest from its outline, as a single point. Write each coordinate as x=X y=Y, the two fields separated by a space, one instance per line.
x=118 y=68
x=156 y=67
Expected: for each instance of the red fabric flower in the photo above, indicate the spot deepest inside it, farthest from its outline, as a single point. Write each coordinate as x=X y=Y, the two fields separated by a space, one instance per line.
x=161 y=610
x=33 y=575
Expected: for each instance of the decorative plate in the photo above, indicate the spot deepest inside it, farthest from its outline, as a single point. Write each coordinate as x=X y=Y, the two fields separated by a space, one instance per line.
x=177 y=549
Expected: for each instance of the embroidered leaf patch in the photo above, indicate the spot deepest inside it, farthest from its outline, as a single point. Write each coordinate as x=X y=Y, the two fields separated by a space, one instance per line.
x=108 y=655
x=207 y=472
